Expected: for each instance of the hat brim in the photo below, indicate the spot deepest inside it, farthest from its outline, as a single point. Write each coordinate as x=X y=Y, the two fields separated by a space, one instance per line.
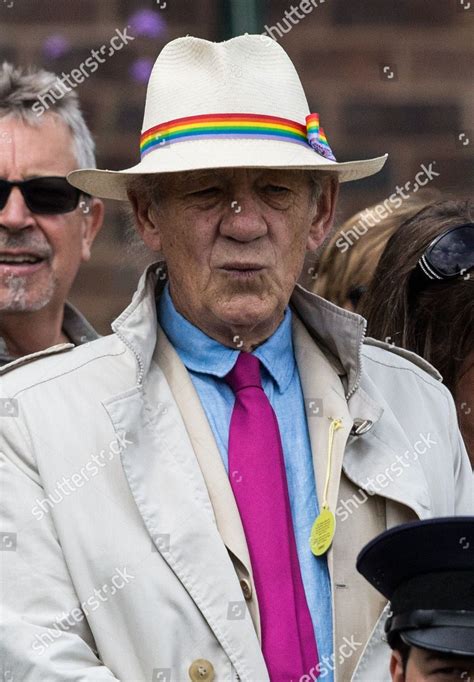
x=446 y=640
x=224 y=153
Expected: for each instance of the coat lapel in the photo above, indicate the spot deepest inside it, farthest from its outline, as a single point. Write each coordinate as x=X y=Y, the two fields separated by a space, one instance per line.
x=168 y=487
x=324 y=399
x=340 y=335
x=324 y=384
x=210 y=462
x=387 y=454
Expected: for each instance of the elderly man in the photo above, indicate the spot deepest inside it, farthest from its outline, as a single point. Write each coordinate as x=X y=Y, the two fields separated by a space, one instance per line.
x=46 y=231
x=170 y=491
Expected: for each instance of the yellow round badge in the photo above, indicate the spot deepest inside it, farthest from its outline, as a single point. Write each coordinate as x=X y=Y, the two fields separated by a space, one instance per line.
x=322 y=532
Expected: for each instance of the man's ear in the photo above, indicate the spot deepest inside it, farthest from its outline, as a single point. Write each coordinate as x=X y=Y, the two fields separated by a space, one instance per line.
x=324 y=212
x=396 y=667
x=93 y=210
x=146 y=221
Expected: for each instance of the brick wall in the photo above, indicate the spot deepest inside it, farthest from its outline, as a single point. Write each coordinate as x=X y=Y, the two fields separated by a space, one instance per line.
x=385 y=76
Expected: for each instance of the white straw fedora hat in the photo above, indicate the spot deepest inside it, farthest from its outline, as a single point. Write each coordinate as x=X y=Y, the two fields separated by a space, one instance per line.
x=234 y=104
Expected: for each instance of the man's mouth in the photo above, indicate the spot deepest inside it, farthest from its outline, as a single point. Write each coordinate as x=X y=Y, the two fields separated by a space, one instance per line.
x=242 y=269
x=21 y=263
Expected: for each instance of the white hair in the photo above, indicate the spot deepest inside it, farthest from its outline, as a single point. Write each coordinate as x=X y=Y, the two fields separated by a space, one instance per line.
x=20 y=89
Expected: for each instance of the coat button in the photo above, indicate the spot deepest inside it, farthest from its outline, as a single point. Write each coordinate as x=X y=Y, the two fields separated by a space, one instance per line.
x=201 y=670
x=246 y=588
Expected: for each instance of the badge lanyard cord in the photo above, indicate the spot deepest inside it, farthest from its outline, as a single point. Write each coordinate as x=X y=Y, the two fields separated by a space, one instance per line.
x=335 y=424
x=322 y=532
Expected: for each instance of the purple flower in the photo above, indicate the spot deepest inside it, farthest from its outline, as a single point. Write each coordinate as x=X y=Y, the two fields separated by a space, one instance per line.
x=140 y=69
x=148 y=23
x=56 y=46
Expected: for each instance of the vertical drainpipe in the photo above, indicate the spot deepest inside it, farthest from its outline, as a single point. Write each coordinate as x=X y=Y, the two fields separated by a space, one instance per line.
x=240 y=16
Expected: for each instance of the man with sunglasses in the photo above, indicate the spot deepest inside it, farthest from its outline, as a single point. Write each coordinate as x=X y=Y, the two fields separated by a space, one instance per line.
x=47 y=227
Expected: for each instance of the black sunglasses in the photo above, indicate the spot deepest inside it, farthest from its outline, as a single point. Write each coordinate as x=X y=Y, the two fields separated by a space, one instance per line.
x=449 y=255
x=47 y=195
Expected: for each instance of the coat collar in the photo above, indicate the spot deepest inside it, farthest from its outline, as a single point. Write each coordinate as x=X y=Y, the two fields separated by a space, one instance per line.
x=339 y=332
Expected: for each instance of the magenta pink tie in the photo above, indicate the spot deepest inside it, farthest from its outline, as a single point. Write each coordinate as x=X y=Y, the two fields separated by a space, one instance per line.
x=258 y=479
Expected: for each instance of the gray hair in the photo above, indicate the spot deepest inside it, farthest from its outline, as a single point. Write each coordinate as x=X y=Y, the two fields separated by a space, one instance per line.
x=315 y=178
x=21 y=88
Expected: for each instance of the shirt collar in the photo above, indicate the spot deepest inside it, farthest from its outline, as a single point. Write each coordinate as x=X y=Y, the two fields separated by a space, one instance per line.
x=201 y=353
x=75 y=326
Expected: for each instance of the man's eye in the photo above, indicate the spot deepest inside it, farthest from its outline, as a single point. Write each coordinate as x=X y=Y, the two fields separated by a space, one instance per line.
x=276 y=189
x=208 y=191
x=451 y=673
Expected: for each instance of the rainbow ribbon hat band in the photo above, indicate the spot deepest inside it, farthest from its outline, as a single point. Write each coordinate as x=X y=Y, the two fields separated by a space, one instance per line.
x=316 y=137
x=237 y=126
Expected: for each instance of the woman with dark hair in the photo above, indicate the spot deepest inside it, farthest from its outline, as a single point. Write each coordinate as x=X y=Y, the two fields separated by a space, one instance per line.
x=422 y=298
x=345 y=267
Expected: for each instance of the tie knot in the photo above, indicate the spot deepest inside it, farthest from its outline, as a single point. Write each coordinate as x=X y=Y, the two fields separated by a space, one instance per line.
x=245 y=373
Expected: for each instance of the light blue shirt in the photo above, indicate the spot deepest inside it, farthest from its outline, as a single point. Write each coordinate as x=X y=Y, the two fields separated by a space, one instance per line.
x=208 y=361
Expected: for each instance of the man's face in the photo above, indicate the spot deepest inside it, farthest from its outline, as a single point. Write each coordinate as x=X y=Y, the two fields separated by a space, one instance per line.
x=60 y=241
x=431 y=666
x=234 y=241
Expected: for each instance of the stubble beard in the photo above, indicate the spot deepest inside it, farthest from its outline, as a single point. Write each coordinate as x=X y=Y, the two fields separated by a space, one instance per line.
x=17 y=296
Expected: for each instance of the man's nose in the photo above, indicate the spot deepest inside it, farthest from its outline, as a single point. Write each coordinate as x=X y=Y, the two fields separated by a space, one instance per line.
x=243 y=220
x=16 y=215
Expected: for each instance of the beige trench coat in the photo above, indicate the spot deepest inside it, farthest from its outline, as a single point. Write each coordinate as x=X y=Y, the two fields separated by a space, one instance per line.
x=124 y=555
